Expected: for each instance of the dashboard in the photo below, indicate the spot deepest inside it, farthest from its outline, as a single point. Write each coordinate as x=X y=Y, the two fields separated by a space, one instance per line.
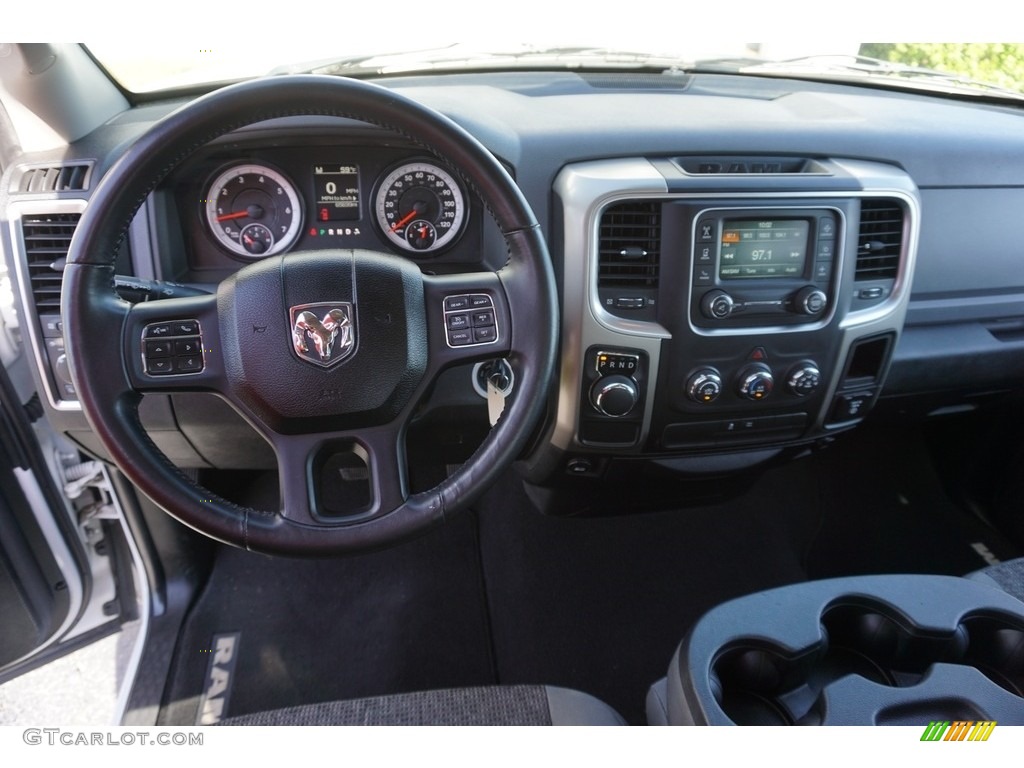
x=744 y=264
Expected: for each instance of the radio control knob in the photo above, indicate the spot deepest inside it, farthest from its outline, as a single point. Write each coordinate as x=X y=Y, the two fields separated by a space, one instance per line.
x=614 y=395
x=803 y=379
x=810 y=301
x=717 y=305
x=756 y=382
x=704 y=386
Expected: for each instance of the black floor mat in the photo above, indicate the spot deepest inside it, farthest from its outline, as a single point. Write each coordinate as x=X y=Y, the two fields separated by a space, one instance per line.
x=406 y=619
x=507 y=595
x=601 y=604
x=885 y=510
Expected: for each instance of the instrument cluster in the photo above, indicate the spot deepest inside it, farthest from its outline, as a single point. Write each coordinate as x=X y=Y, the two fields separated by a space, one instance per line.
x=269 y=201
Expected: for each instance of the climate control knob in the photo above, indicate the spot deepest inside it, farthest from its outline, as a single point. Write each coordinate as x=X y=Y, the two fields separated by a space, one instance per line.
x=803 y=379
x=704 y=386
x=755 y=382
x=717 y=305
x=810 y=301
x=614 y=395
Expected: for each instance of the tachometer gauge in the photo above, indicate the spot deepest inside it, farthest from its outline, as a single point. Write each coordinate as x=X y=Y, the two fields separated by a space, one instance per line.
x=253 y=211
x=420 y=207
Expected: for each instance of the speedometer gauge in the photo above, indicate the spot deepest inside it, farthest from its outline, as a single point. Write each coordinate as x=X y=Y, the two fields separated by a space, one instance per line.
x=420 y=207
x=253 y=211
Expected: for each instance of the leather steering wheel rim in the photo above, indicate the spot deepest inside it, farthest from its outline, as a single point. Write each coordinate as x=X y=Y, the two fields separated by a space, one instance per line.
x=101 y=329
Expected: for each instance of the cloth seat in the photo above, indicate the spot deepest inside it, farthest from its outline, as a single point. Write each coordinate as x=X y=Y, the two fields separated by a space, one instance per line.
x=1008 y=576
x=493 y=705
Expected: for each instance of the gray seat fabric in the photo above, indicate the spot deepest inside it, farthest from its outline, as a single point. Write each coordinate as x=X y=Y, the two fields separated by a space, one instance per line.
x=496 y=705
x=1008 y=576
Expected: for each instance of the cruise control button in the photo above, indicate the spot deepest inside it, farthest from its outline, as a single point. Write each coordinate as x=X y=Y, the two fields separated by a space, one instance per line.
x=158 y=348
x=460 y=338
x=457 y=322
x=483 y=318
x=160 y=366
x=481 y=335
x=456 y=302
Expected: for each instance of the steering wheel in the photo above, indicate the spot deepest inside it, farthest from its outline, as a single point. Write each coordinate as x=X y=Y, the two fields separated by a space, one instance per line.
x=375 y=331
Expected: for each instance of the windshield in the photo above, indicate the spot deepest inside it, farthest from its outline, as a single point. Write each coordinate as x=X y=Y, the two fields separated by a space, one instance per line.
x=991 y=68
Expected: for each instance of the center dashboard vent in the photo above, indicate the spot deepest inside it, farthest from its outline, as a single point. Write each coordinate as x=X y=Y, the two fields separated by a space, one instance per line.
x=879 y=240
x=629 y=246
x=47 y=239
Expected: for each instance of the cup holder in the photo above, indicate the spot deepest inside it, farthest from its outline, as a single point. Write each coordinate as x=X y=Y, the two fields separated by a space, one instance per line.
x=756 y=682
x=996 y=649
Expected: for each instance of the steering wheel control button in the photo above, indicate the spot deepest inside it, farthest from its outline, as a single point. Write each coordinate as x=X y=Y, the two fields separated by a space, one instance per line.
x=756 y=382
x=172 y=348
x=465 y=329
x=486 y=335
x=158 y=349
x=185 y=328
x=158 y=331
x=188 y=364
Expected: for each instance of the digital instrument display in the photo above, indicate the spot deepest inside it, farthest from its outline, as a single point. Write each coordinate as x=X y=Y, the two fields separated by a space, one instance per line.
x=337 y=192
x=760 y=248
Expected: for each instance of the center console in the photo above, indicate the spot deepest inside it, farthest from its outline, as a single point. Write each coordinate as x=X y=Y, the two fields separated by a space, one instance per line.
x=871 y=650
x=716 y=305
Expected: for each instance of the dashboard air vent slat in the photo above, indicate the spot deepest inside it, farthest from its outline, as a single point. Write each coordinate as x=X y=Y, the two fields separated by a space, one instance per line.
x=630 y=245
x=59 y=178
x=880 y=239
x=47 y=239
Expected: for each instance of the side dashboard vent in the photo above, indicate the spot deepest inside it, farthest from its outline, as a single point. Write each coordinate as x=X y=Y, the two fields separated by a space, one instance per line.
x=47 y=239
x=59 y=178
x=880 y=239
x=629 y=246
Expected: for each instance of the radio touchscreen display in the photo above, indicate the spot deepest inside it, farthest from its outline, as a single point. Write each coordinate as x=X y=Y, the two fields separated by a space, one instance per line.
x=759 y=248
